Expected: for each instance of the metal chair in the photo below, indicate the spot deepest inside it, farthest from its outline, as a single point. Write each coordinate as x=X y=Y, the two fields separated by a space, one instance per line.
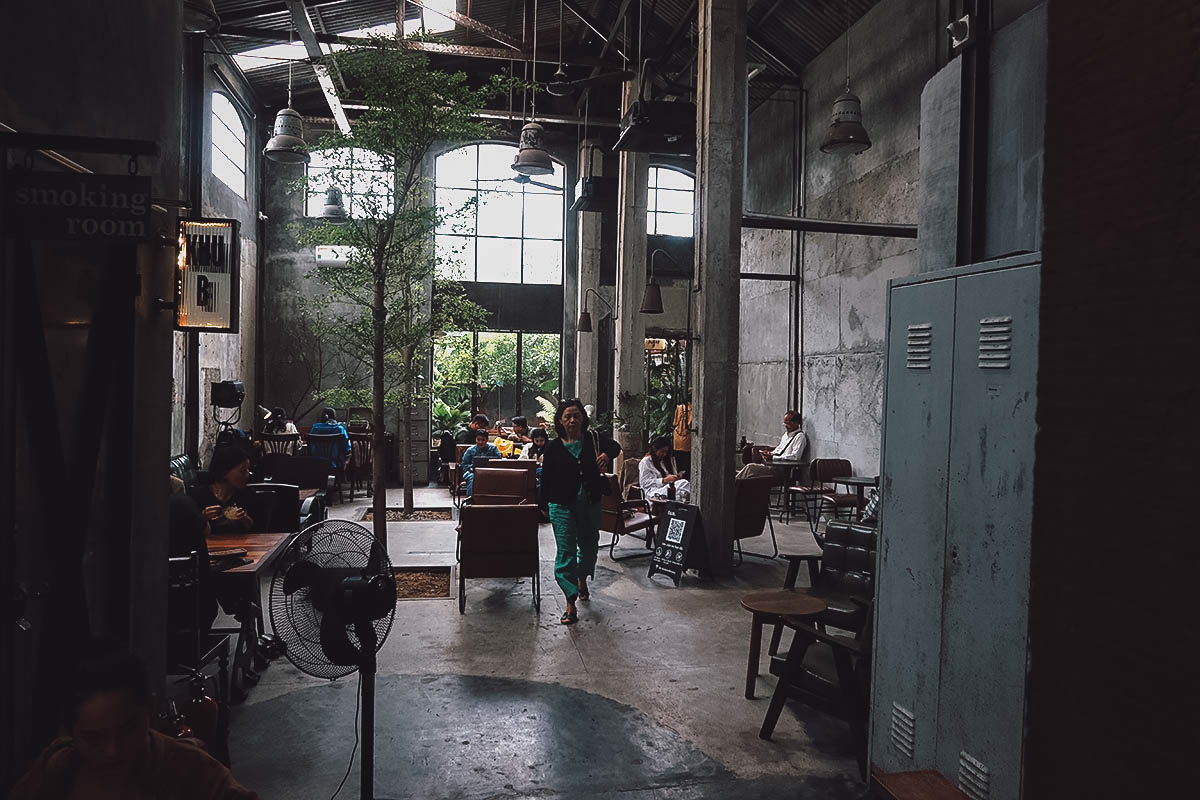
x=285 y=443
x=752 y=512
x=821 y=472
x=498 y=541
x=625 y=518
x=359 y=467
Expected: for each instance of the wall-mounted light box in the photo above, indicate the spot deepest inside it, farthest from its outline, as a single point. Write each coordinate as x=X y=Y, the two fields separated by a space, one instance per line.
x=207 y=276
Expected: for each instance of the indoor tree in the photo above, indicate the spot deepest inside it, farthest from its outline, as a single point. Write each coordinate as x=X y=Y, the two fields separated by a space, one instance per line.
x=387 y=278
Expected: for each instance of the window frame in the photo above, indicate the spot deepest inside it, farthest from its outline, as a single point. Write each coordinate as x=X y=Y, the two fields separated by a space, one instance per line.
x=214 y=148
x=652 y=191
x=522 y=238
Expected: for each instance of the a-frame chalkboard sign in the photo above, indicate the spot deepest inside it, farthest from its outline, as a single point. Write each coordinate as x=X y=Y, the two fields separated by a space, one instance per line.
x=679 y=543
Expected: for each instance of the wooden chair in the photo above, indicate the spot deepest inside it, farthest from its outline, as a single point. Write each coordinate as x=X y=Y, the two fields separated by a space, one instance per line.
x=456 y=476
x=498 y=541
x=276 y=507
x=821 y=471
x=285 y=443
x=332 y=448
x=526 y=466
x=358 y=468
x=500 y=486
x=625 y=518
x=752 y=512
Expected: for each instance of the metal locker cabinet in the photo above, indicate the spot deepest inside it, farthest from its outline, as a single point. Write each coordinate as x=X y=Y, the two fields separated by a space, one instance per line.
x=989 y=516
x=915 y=456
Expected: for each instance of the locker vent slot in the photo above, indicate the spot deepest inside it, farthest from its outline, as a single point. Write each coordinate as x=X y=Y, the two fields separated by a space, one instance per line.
x=904 y=729
x=920 y=346
x=995 y=342
x=974 y=778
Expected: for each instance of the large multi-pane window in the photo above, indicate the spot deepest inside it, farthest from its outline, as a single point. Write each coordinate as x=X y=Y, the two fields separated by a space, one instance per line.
x=228 y=144
x=498 y=373
x=498 y=230
x=365 y=179
x=671 y=200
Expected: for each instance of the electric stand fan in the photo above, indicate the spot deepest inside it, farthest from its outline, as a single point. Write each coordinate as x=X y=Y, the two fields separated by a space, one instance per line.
x=332 y=601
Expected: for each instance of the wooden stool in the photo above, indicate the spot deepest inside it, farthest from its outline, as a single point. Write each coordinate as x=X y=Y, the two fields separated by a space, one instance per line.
x=770 y=607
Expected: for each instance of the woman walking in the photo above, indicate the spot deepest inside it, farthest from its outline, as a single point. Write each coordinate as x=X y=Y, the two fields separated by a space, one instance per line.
x=572 y=486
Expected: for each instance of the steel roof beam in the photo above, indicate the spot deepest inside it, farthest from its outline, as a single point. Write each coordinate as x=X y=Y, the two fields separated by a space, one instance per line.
x=308 y=35
x=473 y=24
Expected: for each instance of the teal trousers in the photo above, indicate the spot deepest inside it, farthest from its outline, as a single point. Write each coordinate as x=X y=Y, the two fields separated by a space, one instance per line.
x=577 y=534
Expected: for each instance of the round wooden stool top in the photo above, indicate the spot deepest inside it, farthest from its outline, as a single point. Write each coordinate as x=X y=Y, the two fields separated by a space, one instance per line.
x=783 y=603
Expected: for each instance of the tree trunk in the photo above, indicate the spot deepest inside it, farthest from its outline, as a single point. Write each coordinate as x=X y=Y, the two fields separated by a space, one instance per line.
x=378 y=432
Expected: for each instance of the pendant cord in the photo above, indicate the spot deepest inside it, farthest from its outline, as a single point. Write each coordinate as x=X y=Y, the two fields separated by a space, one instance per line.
x=560 y=18
x=533 y=100
x=846 y=20
x=291 y=34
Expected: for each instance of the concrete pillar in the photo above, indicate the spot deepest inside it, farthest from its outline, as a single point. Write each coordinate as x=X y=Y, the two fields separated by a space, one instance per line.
x=720 y=133
x=590 y=225
x=630 y=384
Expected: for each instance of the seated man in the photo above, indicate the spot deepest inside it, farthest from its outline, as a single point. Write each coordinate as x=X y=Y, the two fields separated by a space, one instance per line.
x=466 y=435
x=480 y=448
x=519 y=432
x=108 y=749
x=792 y=443
x=329 y=424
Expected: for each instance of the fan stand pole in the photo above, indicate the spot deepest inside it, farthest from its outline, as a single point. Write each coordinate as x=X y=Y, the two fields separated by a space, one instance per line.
x=366 y=634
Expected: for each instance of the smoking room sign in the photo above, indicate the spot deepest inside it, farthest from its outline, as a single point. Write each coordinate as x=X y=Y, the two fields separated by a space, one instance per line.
x=52 y=205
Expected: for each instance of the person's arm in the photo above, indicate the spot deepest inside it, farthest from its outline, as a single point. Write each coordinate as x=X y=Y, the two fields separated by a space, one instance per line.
x=467 y=463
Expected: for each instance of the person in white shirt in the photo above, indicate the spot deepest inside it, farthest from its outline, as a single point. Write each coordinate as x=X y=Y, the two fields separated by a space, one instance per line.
x=657 y=476
x=792 y=443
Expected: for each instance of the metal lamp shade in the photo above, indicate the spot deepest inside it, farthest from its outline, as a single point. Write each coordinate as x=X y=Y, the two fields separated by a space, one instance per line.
x=200 y=16
x=584 y=324
x=287 y=145
x=652 y=299
x=532 y=159
x=846 y=133
x=333 y=209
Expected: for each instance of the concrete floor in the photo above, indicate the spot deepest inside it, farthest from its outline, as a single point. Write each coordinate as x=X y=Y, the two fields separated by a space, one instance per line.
x=643 y=698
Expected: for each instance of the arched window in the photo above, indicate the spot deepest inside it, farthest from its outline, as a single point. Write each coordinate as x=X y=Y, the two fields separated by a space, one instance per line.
x=228 y=144
x=365 y=179
x=504 y=232
x=671 y=200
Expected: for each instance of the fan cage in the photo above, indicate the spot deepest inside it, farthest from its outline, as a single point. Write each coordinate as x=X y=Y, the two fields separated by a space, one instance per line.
x=296 y=620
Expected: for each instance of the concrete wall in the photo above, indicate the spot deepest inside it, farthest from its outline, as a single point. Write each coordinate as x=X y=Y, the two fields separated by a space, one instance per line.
x=893 y=52
x=113 y=70
x=225 y=356
x=767 y=356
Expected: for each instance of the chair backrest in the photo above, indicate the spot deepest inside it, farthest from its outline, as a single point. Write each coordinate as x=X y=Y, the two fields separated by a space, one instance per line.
x=824 y=470
x=612 y=518
x=307 y=472
x=751 y=504
x=184 y=627
x=629 y=473
x=183 y=468
x=498 y=541
x=848 y=561
x=279 y=442
x=360 y=449
x=525 y=466
x=329 y=446
x=501 y=481
x=276 y=507
x=459 y=449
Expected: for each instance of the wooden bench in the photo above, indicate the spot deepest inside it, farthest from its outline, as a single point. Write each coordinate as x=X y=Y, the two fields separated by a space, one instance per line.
x=925 y=784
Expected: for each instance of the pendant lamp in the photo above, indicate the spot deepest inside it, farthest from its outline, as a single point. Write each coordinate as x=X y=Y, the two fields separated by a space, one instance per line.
x=532 y=158
x=846 y=134
x=287 y=144
x=200 y=16
x=334 y=210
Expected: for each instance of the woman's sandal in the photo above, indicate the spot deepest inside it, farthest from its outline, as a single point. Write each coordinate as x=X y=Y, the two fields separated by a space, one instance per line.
x=583 y=591
x=569 y=618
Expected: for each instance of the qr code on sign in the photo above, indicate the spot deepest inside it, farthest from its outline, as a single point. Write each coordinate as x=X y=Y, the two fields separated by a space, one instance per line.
x=675 y=530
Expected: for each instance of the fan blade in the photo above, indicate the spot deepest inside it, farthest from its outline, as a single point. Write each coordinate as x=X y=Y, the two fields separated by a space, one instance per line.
x=544 y=185
x=300 y=575
x=600 y=80
x=335 y=641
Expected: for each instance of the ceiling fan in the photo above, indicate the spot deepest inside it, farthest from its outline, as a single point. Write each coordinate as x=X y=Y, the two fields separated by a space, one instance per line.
x=561 y=85
x=522 y=179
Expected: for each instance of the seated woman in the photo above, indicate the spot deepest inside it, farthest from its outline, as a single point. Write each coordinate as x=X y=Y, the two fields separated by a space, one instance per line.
x=108 y=748
x=223 y=502
x=479 y=449
x=657 y=475
x=536 y=449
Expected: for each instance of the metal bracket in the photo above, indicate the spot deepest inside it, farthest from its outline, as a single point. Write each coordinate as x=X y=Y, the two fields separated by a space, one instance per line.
x=962 y=32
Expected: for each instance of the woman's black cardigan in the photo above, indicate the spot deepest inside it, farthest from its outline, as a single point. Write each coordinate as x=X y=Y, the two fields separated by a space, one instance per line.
x=562 y=474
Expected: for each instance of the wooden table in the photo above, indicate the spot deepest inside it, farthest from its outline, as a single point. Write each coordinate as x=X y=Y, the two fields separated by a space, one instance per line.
x=771 y=606
x=262 y=549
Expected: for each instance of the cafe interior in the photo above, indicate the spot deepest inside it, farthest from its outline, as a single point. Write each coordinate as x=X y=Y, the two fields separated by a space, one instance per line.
x=876 y=309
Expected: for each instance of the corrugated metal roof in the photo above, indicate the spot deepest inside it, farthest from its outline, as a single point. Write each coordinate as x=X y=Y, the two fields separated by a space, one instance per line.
x=784 y=35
